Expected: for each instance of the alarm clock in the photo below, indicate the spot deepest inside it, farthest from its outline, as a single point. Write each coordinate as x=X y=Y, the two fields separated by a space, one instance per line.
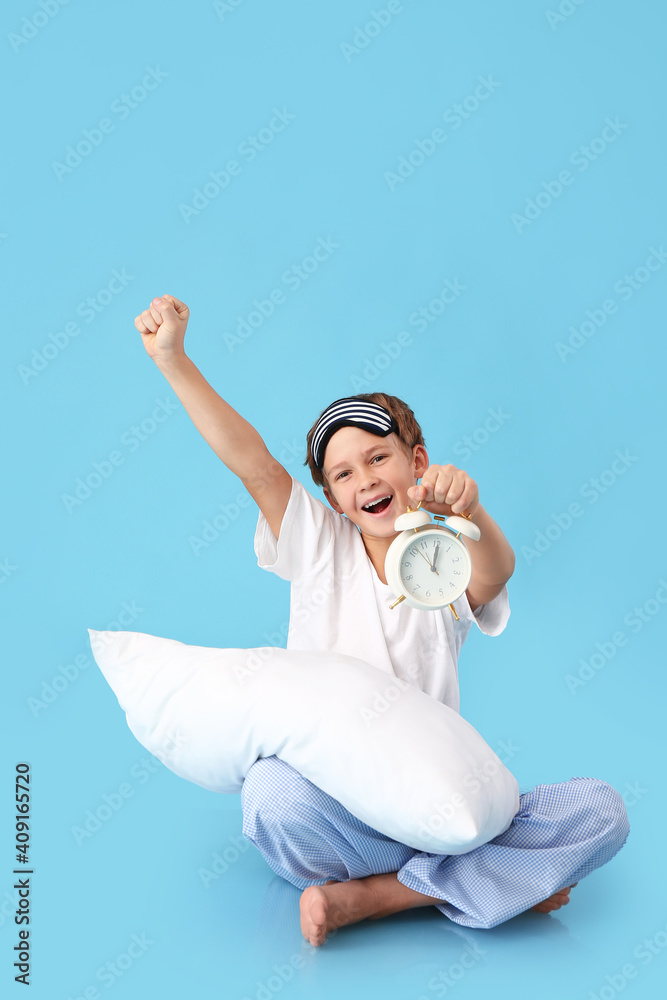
x=428 y=564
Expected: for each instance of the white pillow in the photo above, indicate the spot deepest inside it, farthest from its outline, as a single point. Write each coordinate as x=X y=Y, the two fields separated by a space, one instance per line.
x=397 y=759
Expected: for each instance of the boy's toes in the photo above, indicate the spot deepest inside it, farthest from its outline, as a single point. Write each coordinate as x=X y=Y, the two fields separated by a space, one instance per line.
x=554 y=902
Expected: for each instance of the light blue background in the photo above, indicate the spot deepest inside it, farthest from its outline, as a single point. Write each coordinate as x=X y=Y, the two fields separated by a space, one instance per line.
x=493 y=348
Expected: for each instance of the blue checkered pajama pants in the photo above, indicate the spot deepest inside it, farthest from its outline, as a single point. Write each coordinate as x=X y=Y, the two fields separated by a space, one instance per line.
x=560 y=834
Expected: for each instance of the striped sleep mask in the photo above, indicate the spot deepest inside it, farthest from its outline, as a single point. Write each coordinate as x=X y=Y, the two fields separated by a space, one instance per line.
x=350 y=412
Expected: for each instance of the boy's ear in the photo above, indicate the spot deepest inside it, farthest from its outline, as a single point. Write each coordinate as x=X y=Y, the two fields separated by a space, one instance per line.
x=420 y=458
x=336 y=506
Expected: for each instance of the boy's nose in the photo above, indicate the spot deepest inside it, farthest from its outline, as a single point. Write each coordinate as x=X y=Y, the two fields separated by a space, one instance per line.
x=368 y=482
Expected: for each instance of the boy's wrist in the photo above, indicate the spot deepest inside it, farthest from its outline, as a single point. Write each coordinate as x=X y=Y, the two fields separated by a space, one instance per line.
x=175 y=363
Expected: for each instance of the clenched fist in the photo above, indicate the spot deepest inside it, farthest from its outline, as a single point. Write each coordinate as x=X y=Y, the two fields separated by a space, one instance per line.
x=446 y=490
x=162 y=328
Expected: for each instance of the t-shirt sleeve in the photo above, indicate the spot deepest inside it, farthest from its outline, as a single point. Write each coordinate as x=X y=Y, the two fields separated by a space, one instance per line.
x=306 y=537
x=491 y=618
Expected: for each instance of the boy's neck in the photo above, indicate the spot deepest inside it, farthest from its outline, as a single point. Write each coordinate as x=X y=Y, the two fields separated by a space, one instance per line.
x=376 y=550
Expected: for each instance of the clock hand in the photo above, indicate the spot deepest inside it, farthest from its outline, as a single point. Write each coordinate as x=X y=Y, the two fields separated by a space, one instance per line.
x=426 y=558
x=435 y=558
x=432 y=567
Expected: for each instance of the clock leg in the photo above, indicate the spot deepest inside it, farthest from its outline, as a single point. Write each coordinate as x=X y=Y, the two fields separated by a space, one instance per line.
x=402 y=598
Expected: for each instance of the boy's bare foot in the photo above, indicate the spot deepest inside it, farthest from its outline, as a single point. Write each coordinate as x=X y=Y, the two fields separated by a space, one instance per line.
x=555 y=902
x=336 y=904
x=323 y=909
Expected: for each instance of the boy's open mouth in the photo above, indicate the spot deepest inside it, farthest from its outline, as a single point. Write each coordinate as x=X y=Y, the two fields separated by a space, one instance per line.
x=378 y=506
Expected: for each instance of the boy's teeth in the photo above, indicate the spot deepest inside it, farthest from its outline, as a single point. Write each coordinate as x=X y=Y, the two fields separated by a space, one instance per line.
x=371 y=506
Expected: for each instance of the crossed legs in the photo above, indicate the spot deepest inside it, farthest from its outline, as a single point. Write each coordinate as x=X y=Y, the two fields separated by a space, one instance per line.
x=350 y=872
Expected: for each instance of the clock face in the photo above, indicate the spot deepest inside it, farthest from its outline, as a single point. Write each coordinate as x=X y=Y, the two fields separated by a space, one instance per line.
x=435 y=568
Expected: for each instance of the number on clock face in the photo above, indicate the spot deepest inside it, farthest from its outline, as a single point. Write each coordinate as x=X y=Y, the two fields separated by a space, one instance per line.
x=432 y=568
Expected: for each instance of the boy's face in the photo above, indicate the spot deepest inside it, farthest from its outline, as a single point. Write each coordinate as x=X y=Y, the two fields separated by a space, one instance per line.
x=361 y=468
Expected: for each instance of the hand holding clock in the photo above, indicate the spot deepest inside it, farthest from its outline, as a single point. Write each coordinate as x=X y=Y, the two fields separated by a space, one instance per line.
x=446 y=490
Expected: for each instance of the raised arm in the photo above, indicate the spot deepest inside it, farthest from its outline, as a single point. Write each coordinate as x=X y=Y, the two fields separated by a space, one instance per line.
x=235 y=441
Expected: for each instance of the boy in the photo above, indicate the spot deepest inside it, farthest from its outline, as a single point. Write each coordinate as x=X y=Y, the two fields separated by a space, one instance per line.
x=368 y=453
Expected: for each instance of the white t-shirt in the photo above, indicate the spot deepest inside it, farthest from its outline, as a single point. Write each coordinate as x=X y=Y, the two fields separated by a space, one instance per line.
x=338 y=601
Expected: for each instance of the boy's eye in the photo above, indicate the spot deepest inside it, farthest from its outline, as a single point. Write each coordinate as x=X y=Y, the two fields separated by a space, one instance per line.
x=341 y=474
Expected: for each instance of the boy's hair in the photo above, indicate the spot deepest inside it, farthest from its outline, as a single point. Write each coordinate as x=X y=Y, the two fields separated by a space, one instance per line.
x=409 y=433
